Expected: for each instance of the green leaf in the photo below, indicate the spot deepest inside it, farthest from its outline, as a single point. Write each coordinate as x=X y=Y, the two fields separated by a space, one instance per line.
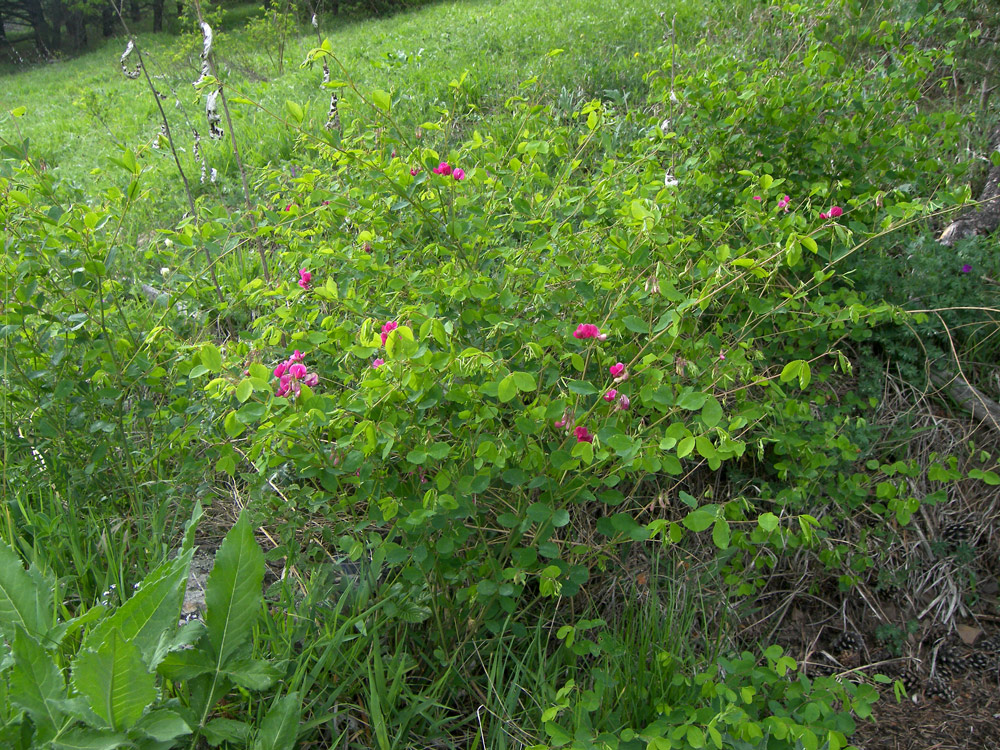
x=507 y=389
x=36 y=683
x=685 y=446
x=163 y=725
x=700 y=519
x=711 y=412
x=382 y=100
x=233 y=593
x=211 y=357
x=218 y=731
x=252 y=674
x=233 y=426
x=244 y=390
x=152 y=611
x=720 y=533
x=400 y=343
x=524 y=381
x=581 y=387
x=791 y=370
x=82 y=738
x=115 y=681
x=280 y=726
x=768 y=522
x=294 y=111
x=22 y=602
x=692 y=401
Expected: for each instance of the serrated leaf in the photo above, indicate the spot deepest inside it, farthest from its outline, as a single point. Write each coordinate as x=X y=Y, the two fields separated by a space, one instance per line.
x=163 y=725
x=152 y=611
x=251 y=674
x=81 y=738
x=19 y=598
x=115 y=681
x=36 y=684
x=280 y=726
x=233 y=593
x=218 y=731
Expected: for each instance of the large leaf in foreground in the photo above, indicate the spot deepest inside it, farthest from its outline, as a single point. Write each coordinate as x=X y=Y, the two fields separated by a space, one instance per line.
x=36 y=683
x=233 y=593
x=115 y=681
x=19 y=597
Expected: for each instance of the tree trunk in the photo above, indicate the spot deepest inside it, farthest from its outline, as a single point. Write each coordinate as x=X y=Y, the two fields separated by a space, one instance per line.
x=157 y=15
x=984 y=218
x=134 y=12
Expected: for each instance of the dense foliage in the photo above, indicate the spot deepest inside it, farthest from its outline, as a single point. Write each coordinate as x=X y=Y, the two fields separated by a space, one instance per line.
x=528 y=409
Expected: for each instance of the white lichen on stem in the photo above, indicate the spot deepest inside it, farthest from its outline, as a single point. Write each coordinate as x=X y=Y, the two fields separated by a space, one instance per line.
x=215 y=131
x=133 y=74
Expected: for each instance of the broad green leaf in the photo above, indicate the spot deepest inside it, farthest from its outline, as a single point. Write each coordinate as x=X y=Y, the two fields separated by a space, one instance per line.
x=233 y=426
x=115 y=681
x=152 y=610
x=211 y=357
x=218 y=731
x=233 y=594
x=507 y=389
x=252 y=674
x=524 y=381
x=244 y=390
x=294 y=111
x=19 y=597
x=768 y=521
x=163 y=725
x=36 y=683
x=720 y=533
x=82 y=738
x=692 y=401
x=711 y=412
x=400 y=343
x=381 y=99
x=700 y=519
x=685 y=446
x=280 y=726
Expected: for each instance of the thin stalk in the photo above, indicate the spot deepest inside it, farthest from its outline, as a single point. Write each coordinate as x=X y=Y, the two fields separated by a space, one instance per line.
x=236 y=153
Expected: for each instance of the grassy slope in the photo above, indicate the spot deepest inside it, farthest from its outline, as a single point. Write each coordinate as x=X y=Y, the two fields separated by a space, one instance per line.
x=415 y=55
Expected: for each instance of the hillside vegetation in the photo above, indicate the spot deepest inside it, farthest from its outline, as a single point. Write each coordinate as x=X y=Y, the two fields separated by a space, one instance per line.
x=548 y=375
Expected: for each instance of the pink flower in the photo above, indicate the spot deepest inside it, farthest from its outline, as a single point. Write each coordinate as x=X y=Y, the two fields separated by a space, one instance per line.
x=966 y=268
x=297 y=356
x=611 y=395
x=297 y=371
x=458 y=174
x=783 y=203
x=623 y=403
x=589 y=331
x=304 y=278
x=757 y=198
x=833 y=213
x=722 y=354
x=388 y=328
x=377 y=363
x=289 y=207
x=312 y=380
x=280 y=369
x=616 y=369
x=583 y=435
x=443 y=168
x=414 y=171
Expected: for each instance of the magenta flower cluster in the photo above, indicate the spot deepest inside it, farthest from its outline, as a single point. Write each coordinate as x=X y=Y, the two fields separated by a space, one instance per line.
x=445 y=169
x=589 y=331
x=833 y=213
x=388 y=328
x=292 y=375
x=305 y=278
